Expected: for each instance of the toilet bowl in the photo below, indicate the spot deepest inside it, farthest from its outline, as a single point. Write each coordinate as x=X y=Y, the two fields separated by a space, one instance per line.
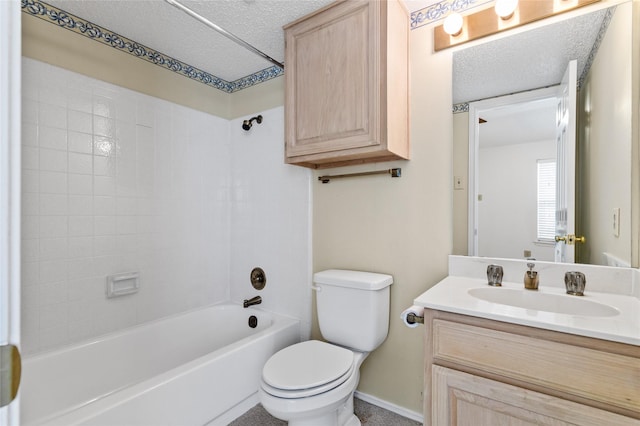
x=312 y=383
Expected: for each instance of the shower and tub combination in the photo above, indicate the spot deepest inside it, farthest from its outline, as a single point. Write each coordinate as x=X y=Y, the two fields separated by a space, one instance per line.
x=117 y=181
x=189 y=369
x=182 y=350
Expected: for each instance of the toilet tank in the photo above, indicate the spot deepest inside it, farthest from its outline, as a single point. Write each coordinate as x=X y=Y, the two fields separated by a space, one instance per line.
x=353 y=307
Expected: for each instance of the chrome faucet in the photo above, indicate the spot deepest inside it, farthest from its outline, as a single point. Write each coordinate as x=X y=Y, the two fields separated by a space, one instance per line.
x=494 y=275
x=575 y=282
x=253 y=301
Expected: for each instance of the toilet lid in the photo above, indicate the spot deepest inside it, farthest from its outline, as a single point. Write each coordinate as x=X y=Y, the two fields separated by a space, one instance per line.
x=306 y=365
x=304 y=393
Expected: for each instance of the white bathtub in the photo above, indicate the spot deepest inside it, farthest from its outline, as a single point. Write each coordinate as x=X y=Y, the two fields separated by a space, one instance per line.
x=189 y=369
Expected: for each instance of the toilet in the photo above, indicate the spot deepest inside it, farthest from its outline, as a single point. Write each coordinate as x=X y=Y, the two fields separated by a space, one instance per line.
x=312 y=383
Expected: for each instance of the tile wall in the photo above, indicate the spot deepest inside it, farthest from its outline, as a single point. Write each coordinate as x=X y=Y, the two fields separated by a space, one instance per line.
x=116 y=181
x=270 y=229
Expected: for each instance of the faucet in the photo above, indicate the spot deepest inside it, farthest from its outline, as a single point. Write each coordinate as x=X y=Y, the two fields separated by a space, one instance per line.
x=531 y=278
x=253 y=301
x=575 y=282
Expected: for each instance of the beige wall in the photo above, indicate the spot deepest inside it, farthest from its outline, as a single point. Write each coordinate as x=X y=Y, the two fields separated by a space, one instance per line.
x=606 y=100
x=397 y=226
x=55 y=45
x=461 y=196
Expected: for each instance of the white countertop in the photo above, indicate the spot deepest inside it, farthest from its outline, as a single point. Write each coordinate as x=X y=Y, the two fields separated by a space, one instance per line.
x=452 y=295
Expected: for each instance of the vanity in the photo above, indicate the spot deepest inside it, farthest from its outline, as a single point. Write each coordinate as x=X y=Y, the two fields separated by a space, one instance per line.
x=506 y=355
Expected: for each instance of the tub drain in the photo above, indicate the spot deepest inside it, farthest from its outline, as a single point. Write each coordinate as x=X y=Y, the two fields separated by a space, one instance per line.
x=253 y=321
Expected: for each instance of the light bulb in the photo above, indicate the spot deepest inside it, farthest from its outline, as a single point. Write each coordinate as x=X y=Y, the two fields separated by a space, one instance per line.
x=453 y=24
x=505 y=8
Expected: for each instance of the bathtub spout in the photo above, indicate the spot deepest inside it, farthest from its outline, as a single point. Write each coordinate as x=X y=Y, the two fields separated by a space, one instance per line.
x=253 y=301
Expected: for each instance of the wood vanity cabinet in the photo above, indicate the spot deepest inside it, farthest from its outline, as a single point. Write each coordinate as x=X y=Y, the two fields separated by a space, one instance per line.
x=482 y=372
x=347 y=84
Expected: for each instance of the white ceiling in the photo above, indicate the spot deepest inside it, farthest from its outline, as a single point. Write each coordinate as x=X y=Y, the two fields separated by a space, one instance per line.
x=527 y=122
x=522 y=61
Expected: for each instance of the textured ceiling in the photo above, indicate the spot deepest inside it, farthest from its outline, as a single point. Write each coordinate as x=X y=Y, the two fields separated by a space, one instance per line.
x=525 y=61
x=160 y=26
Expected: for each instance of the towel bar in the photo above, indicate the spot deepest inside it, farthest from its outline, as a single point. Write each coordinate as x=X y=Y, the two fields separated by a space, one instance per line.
x=396 y=172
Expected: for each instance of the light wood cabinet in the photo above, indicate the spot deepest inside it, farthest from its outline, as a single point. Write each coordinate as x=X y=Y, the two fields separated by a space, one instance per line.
x=483 y=372
x=469 y=400
x=347 y=85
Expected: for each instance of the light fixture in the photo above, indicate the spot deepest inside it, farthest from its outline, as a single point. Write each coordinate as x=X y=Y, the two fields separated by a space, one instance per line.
x=505 y=8
x=507 y=14
x=452 y=25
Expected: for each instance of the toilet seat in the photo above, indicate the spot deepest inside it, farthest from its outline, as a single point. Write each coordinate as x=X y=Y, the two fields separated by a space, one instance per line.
x=306 y=369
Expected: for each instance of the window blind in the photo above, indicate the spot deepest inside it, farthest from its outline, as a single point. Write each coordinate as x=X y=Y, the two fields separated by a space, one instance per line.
x=546 y=199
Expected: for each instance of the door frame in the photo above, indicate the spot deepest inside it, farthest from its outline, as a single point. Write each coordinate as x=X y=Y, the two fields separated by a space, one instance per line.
x=475 y=111
x=10 y=187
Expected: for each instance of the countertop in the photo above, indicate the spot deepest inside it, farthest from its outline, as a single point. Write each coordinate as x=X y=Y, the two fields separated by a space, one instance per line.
x=452 y=295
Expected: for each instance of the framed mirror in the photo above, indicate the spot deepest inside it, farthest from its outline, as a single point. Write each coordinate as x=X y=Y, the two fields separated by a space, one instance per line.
x=502 y=89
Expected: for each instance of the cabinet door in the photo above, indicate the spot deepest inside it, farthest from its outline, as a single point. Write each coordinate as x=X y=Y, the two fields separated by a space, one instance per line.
x=466 y=400
x=332 y=68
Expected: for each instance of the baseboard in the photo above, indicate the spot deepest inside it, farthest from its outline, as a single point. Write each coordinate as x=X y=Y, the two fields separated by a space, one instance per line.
x=389 y=406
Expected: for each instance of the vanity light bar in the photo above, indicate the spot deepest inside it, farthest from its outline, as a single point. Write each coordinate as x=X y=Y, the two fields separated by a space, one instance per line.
x=486 y=22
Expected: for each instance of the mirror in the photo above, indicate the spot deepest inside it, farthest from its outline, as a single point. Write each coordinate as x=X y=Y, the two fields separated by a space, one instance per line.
x=536 y=59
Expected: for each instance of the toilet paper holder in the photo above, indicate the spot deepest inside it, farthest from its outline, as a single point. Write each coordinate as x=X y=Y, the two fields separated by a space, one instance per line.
x=413 y=318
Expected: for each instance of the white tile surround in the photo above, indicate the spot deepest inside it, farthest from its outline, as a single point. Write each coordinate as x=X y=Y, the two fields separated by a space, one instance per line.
x=116 y=181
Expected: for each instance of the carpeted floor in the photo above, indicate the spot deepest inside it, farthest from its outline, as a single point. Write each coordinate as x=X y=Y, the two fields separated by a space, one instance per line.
x=369 y=415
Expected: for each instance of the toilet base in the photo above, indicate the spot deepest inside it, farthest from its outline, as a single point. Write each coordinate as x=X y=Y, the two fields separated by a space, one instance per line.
x=342 y=416
x=353 y=421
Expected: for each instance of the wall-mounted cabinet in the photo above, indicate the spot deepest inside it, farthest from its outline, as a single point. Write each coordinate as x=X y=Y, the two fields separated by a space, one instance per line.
x=347 y=85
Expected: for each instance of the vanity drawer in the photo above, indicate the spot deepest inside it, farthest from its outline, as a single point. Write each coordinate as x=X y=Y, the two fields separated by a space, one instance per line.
x=592 y=374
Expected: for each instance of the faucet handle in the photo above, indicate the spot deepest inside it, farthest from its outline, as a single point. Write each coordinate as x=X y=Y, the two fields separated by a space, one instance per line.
x=494 y=275
x=575 y=283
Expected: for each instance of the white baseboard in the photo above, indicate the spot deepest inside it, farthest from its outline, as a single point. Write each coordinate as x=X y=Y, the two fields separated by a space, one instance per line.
x=390 y=407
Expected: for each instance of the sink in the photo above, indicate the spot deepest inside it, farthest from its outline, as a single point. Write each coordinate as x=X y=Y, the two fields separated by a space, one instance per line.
x=548 y=302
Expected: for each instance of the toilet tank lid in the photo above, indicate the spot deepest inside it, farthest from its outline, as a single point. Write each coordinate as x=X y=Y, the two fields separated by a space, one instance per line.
x=353 y=279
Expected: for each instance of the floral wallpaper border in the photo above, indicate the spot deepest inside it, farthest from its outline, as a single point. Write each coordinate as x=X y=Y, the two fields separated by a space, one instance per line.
x=95 y=32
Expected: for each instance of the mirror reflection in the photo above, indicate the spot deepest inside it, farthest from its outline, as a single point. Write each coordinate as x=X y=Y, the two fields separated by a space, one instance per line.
x=506 y=143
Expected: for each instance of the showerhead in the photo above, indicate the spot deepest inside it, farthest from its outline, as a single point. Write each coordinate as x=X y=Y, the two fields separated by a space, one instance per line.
x=246 y=124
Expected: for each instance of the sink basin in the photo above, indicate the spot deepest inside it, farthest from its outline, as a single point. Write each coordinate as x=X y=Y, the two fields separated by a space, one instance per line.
x=557 y=303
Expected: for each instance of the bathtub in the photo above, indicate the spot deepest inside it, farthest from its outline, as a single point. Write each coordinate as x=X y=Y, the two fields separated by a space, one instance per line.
x=189 y=369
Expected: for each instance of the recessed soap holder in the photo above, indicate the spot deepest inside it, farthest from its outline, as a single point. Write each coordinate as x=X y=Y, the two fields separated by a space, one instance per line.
x=122 y=284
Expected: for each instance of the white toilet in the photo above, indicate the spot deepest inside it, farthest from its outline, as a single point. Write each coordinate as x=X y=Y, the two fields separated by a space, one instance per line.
x=312 y=383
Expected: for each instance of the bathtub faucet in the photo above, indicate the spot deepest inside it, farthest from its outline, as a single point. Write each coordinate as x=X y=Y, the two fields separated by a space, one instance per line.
x=253 y=301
